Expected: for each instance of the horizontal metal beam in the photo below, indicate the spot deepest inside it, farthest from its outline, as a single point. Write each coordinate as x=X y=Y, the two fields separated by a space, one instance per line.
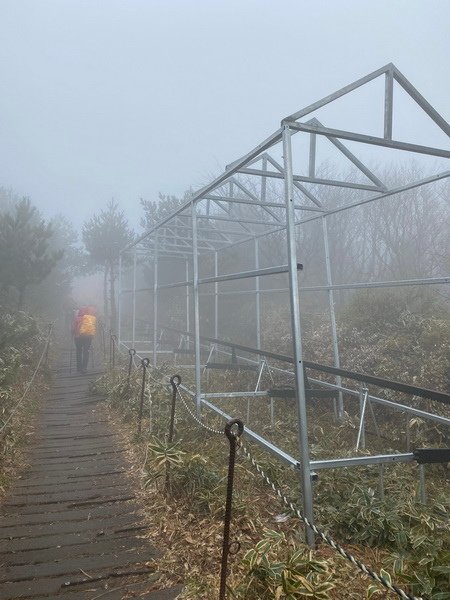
x=248 y=274
x=209 y=396
x=360 y=461
x=315 y=180
x=377 y=284
x=368 y=139
x=260 y=203
x=383 y=402
x=343 y=286
x=441 y=397
x=381 y=382
x=231 y=276
x=234 y=220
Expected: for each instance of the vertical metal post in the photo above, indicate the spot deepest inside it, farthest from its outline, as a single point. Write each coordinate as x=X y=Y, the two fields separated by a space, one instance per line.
x=216 y=296
x=258 y=299
x=133 y=325
x=361 y=440
x=198 y=376
x=155 y=302
x=296 y=336
x=256 y=248
x=334 y=336
x=388 y=104
x=188 y=309
x=119 y=302
x=312 y=154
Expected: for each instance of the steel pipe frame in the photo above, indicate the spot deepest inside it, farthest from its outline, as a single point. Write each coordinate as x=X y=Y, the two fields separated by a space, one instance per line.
x=290 y=460
x=119 y=302
x=388 y=193
x=323 y=288
x=155 y=301
x=315 y=180
x=339 y=410
x=368 y=139
x=195 y=283
x=377 y=400
x=352 y=462
x=307 y=492
x=134 y=299
x=392 y=73
x=229 y=277
x=343 y=286
x=290 y=180
x=392 y=192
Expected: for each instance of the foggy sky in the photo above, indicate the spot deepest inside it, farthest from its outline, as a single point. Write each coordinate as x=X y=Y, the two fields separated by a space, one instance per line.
x=125 y=99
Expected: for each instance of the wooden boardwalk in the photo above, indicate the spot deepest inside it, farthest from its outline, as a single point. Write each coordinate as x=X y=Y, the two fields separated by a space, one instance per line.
x=72 y=526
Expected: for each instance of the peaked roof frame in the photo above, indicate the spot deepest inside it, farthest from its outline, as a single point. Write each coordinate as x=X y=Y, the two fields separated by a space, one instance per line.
x=228 y=212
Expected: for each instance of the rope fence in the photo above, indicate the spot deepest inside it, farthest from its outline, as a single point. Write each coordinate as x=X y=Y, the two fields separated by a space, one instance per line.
x=175 y=382
x=43 y=356
x=324 y=536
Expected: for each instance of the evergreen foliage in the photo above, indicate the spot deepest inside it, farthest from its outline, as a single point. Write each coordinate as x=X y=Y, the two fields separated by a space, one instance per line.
x=104 y=236
x=25 y=255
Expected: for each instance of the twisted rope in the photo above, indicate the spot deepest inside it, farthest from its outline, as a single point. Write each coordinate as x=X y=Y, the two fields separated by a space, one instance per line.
x=326 y=538
x=19 y=402
x=194 y=416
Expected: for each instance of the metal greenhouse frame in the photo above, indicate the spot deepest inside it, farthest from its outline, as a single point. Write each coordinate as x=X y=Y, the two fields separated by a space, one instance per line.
x=209 y=222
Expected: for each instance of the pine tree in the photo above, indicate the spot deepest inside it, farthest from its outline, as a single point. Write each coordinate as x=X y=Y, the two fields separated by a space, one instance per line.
x=25 y=255
x=104 y=236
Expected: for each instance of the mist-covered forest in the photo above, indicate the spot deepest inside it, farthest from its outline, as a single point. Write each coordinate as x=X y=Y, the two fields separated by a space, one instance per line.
x=49 y=268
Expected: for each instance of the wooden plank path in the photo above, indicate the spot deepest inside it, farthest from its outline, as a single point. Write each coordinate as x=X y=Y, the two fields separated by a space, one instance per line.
x=72 y=526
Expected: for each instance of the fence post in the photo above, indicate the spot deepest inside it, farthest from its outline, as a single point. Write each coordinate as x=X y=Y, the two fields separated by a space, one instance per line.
x=144 y=362
x=112 y=351
x=175 y=381
x=226 y=547
x=131 y=352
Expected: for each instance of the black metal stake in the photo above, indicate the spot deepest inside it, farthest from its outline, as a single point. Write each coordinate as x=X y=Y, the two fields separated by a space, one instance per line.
x=131 y=352
x=144 y=362
x=175 y=381
x=226 y=547
x=113 y=351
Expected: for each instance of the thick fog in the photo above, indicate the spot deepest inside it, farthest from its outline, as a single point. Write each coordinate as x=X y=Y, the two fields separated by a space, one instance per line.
x=123 y=100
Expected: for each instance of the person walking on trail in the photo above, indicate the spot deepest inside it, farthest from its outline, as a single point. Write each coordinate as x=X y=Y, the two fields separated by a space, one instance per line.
x=83 y=331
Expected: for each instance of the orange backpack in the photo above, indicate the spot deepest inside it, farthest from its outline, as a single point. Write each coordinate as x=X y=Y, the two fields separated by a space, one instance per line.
x=88 y=325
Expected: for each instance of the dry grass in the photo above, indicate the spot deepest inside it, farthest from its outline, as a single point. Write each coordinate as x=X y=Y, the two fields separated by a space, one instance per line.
x=192 y=542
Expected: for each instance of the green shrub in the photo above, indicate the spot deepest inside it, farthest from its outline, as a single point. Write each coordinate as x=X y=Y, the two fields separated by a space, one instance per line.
x=277 y=569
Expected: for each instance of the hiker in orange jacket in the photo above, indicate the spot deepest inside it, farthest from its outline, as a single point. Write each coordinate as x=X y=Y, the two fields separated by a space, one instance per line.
x=83 y=331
